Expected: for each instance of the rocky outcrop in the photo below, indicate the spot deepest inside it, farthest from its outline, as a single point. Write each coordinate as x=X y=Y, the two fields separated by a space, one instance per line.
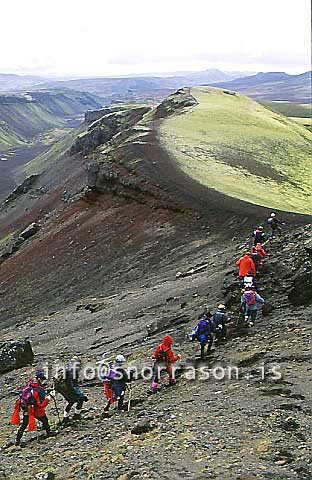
x=17 y=242
x=175 y=103
x=93 y=115
x=15 y=355
x=23 y=188
x=104 y=129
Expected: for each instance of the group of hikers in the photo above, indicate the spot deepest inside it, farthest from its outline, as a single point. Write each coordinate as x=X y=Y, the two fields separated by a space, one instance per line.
x=211 y=328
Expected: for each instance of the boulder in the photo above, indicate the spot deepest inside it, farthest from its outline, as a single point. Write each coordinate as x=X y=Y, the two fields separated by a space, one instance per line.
x=29 y=231
x=15 y=354
x=144 y=426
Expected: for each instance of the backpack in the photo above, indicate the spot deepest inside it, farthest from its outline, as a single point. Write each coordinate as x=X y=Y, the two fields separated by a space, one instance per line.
x=250 y=297
x=203 y=327
x=161 y=355
x=60 y=384
x=27 y=396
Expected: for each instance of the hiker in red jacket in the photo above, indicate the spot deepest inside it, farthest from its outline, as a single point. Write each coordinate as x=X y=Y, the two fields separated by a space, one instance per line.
x=164 y=359
x=33 y=401
x=246 y=265
x=257 y=254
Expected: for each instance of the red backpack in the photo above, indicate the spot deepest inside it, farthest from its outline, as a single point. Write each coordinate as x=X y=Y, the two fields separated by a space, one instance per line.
x=250 y=297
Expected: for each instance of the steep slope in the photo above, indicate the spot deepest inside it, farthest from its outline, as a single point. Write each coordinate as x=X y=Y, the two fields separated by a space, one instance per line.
x=253 y=424
x=276 y=86
x=127 y=248
x=235 y=146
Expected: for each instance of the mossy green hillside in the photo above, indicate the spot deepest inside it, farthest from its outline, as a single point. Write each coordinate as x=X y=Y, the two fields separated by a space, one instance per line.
x=236 y=146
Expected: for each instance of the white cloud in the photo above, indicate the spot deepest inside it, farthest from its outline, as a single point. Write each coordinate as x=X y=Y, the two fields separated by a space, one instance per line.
x=100 y=37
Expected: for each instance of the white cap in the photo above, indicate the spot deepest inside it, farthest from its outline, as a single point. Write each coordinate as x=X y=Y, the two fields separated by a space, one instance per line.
x=120 y=359
x=272 y=214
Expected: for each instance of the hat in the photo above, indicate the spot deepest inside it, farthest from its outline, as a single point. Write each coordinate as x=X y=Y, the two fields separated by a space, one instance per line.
x=272 y=214
x=260 y=227
x=221 y=306
x=41 y=375
x=120 y=359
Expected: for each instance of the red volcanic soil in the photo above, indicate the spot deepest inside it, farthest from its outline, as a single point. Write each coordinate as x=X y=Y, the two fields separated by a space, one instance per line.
x=96 y=243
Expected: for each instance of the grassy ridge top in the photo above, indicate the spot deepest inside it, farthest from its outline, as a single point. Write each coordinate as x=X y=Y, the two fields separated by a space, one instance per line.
x=234 y=145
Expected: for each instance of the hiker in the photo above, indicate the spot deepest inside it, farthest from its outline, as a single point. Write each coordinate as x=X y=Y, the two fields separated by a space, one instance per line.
x=68 y=387
x=115 y=383
x=257 y=254
x=32 y=402
x=164 y=358
x=220 y=319
x=248 y=281
x=250 y=302
x=275 y=223
x=246 y=265
x=258 y=235
x=203 y=333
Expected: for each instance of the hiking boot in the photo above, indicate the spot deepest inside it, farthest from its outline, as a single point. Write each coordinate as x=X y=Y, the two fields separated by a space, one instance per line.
x=251 y=324
x=172 y=383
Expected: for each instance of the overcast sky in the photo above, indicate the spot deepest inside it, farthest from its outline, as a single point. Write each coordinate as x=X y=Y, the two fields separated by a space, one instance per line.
x=103 y=37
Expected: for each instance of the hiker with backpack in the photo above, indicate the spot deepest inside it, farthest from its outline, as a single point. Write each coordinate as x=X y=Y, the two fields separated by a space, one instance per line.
x=220 y=319
x=68 y=386
x=258 y=235
x=248 y=281
x=164 y=358
x=246 y=265
x=32 y=402
x=203 y=333
x=275 y=223
x=257 y=254
x=115 y=383
x=251 y=302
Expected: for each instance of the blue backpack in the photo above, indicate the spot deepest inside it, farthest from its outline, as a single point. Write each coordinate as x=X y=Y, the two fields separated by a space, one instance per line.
x=204 y=329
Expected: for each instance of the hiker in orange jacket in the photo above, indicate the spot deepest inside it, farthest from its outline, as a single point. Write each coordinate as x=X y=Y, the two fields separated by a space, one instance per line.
x=246 y=265
x=164 y=358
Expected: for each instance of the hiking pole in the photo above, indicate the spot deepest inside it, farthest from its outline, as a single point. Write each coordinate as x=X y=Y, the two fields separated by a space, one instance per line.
x=56 y=407
x=130 y=397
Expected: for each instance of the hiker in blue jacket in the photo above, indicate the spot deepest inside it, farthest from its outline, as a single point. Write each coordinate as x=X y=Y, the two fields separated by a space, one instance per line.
x=251 y=302
x=115 y=383
x=71 y=391
x=203 y=333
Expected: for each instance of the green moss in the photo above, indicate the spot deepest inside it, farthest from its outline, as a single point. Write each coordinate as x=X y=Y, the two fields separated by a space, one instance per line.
x=7 y=238
x=236 y=146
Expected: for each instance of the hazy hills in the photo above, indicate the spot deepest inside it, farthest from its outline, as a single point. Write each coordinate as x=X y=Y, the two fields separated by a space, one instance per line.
x=11 y=82
x=276 y=86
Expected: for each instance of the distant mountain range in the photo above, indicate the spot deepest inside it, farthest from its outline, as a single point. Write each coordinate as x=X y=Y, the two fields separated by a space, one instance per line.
x=269 y=86
x=101 y=85
x=274 y=86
